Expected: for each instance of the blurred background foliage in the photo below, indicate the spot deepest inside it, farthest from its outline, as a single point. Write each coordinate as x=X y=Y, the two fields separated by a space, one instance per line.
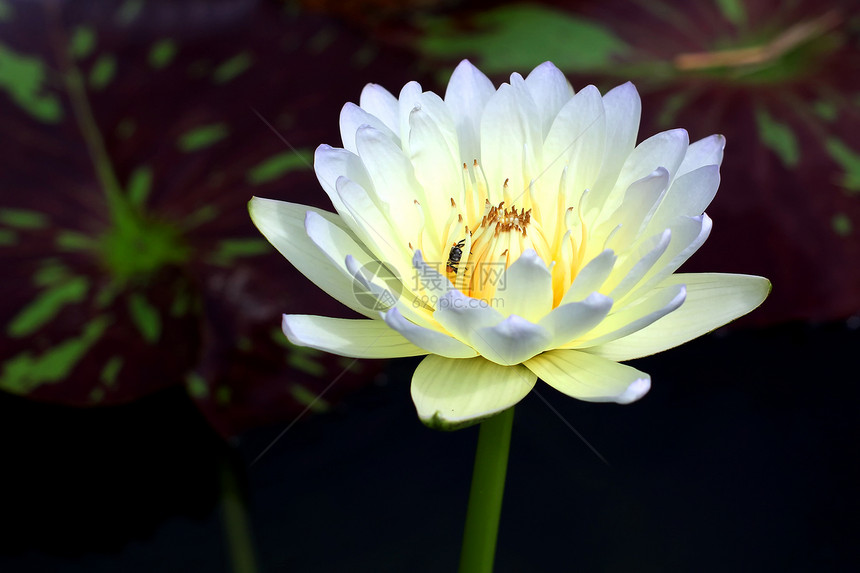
x=135 y=132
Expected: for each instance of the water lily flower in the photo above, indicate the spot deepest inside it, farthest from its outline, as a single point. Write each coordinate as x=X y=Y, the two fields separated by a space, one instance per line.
x=509 y=234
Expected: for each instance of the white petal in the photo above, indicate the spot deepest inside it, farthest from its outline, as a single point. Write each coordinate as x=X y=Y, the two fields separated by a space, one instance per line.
x=352 y=118
x=432 y=341
x=393 y=178
x=462 y=315
x=335 y=241
x=688 y=234
x=378 y=287
x=432 y=281
x=283 y=224
x=635 y=266
x=439 y=113
x=451 y=394
x=707 y=151
x=511 y=341
x=572 y=320
x=640 y=203
x=576 y=141
x=347 y=337
x=467 y=94
x=378 y=101
x=331 y=163
x=372 y=289
x=409 y=99
x=527 y=290
x=688 y=196
x=340 y=247
x=664 y=149
x=629 y=319
x=712 y=300
x=550 y=90
x=591 y=277
x=590 y=378
x=510 y=129
x=437 y=170
x=622 y=108
x=373 y=227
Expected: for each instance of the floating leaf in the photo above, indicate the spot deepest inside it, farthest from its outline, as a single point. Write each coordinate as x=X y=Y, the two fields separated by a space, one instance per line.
x=778 y=80
x=25 y=372
x=521 y=36
x=133 y=146
x=777 y=84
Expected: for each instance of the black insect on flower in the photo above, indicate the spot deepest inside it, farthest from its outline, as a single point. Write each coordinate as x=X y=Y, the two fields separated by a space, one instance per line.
x=455 y=255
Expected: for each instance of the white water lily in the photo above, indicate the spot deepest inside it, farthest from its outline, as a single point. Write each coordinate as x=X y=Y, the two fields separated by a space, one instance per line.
x=568 y=236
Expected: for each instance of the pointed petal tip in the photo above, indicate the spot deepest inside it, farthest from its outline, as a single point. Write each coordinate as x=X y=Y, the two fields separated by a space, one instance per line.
x=417 y=258
x=764 y=290
x=465 y=64
x=635 y=391
x=467 y=74
x=438 y=422
x=659 y=172
x=529 y=257
x=546 y=65
x=352 y=265
x=628 y=88
x=255 y=203
x=288 y=330
x=598 y=299
x=310 y=219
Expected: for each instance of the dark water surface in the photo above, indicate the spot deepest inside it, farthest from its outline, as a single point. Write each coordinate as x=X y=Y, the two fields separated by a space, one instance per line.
x=743 y=457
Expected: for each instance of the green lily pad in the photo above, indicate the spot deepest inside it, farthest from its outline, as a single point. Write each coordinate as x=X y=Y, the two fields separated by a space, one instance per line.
x=134 y=144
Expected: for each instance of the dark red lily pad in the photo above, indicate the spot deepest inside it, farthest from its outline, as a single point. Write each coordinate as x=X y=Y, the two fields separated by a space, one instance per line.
x=136 y=134
x=780 y=80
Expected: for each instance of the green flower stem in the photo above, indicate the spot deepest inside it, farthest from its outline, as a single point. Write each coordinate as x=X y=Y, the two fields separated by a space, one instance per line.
x=485 y=498
x=234 y=518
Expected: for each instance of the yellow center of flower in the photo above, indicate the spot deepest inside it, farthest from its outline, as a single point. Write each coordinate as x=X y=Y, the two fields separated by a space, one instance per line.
x=482 y=244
